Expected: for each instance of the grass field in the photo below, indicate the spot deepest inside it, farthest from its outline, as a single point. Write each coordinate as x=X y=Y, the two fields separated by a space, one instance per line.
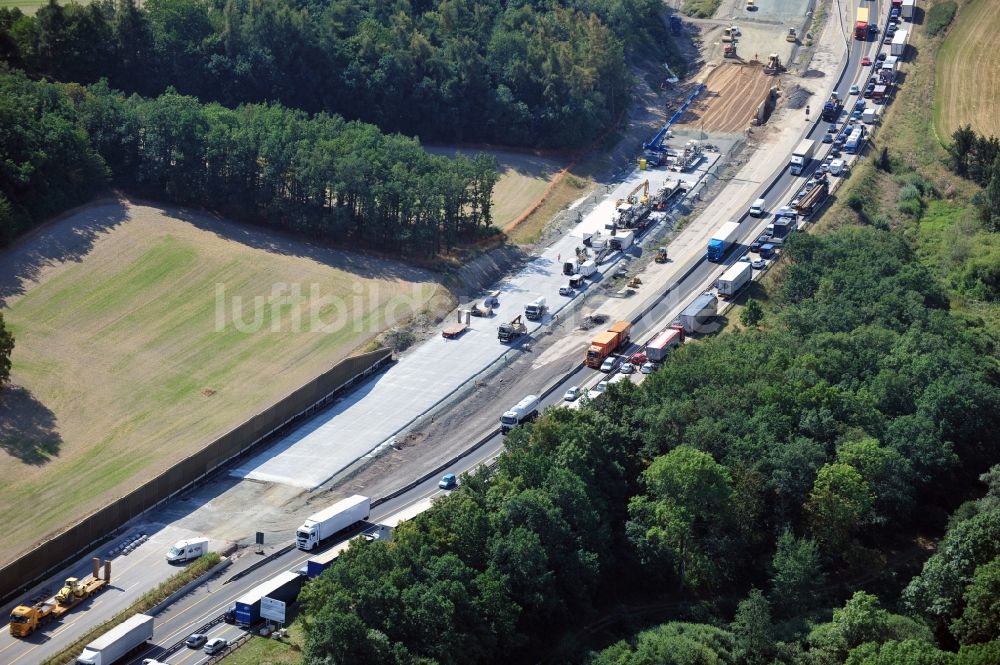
x=131 y=352
x=26 y=6
x=968 y=72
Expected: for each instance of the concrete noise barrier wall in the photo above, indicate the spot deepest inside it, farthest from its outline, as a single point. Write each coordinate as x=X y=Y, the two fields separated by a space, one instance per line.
x=98 y=526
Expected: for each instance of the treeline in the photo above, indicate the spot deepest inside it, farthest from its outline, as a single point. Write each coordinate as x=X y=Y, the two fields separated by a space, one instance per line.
x=977 y=158
x=957 y=595
x=320 y=175
x=538 y=72
x=788 y=458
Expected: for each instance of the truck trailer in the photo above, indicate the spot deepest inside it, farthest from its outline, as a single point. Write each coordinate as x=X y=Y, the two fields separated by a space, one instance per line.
x=284 y=587
x=722 y=241
x=801 y=157
x=607 y=343
x=735 y=278
x=187 y=550
x=898 y=45
x=341 y=515
x=699 y=315
x=861 y=25
x=317 y=564
x=26 y=619
x=814 y=198
x=118 y=642
x=524 y=410
x=660 y=346
x=907 y=9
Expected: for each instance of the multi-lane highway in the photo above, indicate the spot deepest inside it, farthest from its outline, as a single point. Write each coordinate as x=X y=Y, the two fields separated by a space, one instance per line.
x=207 y=602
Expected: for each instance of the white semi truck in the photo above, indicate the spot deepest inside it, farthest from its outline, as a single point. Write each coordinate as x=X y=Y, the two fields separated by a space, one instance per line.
x=800 y=158
x=332 y=520
x=118 y=642
x=534 y=310
x=734 y=279
x=524 y=410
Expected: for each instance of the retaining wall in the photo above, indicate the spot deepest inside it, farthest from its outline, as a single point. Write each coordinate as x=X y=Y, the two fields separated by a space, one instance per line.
x=100 y=525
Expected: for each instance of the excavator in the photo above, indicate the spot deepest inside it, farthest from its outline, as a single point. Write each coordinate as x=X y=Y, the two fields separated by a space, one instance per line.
x=631 y=198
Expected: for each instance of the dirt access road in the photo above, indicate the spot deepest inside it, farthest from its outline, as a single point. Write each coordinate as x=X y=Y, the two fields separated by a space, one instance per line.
x=733 y=93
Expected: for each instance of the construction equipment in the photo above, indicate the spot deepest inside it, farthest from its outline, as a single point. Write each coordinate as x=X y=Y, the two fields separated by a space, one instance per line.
x=773 y=65
x=729 y=51
x=689 y=158
x=791 y=37
x=729 y=34
x=832 y=108
x=633 y=208
x=661 y=255
x=25 y=619
x=634 y=283
x=508 y=332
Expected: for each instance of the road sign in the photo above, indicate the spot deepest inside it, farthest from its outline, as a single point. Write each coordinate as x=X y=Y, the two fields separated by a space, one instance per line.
x=272 y=609
x=259 y=538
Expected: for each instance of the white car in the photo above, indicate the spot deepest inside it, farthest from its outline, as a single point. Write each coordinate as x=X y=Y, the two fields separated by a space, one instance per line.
x=566 y=291
x=855 y=90
x=215 y=645
x=627 y=368
x=600 y=388
x=648 y=368
x=609 y=364
x=572 y=394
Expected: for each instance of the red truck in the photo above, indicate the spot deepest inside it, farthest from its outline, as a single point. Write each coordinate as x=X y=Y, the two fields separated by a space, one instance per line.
x=607 y=343
x=861 y=25
x=658 y=348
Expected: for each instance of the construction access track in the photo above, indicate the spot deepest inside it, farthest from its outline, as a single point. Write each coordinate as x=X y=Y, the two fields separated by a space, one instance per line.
x=732 y=94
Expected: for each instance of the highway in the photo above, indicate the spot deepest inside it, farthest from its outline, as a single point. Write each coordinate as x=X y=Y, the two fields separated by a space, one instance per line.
x=207 y=602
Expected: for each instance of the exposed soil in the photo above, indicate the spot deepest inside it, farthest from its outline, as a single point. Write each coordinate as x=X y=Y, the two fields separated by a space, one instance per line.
x=733 y=93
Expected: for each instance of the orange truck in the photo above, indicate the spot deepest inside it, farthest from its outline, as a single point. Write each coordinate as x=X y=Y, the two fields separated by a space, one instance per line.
x=25 y=619
x=607 y=343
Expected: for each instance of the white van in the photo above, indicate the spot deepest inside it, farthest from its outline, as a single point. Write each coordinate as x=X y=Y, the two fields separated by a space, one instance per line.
x=186 y=550
x=757 y=209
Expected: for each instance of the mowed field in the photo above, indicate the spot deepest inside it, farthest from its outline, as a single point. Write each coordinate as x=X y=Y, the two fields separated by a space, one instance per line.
x=523 y=179
x=143 y=333
x=968 y=72
x=28 y=6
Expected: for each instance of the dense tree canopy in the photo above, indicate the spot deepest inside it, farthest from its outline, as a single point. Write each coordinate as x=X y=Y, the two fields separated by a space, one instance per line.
x=542 y=72
x=321 y=175
x=723 y=469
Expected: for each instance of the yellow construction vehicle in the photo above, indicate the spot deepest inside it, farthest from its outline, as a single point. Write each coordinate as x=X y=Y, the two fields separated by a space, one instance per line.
x=661 y=255
x=634 y=283
x=790 y=37
x=631 y=197
x=25 y=619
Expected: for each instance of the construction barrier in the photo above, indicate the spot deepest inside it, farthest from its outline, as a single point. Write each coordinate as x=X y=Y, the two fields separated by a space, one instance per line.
x=44 y=559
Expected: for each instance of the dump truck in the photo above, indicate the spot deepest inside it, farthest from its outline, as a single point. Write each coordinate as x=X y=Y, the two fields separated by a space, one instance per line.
x=861 y=25
x=329 y=521
x=735 y=278
x=723 y=239
x=26 y=619
x=521 y=412
x=284 y=587
x=832 y=108
x=534 y=310
x=800 y=158
x=118 y=642
x=699 y=315
x=607 y=343
x=508 y=332
x=666 y=340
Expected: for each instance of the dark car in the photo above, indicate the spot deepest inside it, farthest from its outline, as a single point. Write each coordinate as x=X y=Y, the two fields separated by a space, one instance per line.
x=881 y=56
x=229 y=616
x=196 y=640
x=755 y=246
x=828 y=138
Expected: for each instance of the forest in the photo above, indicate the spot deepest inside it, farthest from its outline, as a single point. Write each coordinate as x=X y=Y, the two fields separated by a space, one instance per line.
x=320 y=176
x=749 y=487
x=548 y=73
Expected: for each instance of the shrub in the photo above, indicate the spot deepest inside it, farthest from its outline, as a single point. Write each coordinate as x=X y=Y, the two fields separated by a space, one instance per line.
x=940 y=16
x=908 y=193
x=910 y=207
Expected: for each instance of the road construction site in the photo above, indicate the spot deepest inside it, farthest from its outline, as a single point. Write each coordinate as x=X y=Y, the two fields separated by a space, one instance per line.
x=445 y=396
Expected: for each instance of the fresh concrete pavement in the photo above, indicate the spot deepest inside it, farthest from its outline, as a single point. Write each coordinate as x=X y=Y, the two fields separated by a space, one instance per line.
x=728 y=204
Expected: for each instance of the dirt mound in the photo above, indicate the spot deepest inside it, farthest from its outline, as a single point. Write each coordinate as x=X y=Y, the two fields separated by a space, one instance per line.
x=733 y=93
